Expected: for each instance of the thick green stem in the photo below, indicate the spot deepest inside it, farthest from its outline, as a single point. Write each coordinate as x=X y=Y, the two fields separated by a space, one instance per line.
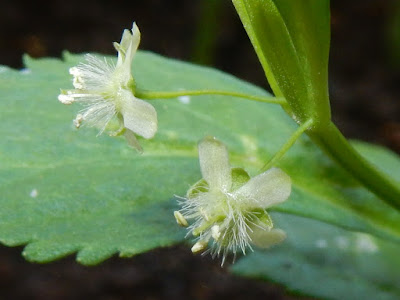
x=149 y=95
x=289 y=143
x=330 y=139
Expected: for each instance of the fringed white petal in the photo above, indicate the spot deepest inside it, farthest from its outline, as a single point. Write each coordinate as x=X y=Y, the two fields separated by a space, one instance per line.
x=98 y=115
x=139 y=116
x=93 y=75
x=214 y=164
x=264 y=190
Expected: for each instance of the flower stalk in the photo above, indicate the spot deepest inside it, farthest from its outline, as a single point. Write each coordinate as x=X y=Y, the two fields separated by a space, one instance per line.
x=150 y=95
x=289 y=143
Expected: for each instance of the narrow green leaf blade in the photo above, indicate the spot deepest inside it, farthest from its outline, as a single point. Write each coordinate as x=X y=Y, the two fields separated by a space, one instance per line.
x=291 y=39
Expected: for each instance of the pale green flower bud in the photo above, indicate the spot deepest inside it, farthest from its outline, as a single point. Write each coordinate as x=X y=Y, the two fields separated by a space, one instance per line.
x=180 y=219
x=107 y=92
x=228 y=207
x=200 y=246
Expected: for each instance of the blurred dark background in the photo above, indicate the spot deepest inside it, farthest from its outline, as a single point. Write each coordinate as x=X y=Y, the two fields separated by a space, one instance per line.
x=365 y=95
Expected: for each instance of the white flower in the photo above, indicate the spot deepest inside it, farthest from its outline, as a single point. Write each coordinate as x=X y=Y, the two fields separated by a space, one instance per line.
x=107 y=91
x=229 y=207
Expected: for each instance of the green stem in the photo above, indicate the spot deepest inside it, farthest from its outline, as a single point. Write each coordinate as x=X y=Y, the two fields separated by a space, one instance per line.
x=289 y=143
x=330 y=139
x=149 y=95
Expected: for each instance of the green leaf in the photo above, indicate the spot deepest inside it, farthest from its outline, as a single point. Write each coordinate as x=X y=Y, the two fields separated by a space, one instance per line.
x=65 y=190
x=291 y=39
x=327 y=262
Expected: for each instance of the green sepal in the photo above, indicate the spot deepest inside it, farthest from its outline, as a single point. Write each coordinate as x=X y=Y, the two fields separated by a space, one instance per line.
x=239 y=178
x=200 y=186
x=263 y=218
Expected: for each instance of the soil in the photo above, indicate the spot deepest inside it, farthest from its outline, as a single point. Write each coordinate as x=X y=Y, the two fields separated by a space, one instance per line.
x=364 y=88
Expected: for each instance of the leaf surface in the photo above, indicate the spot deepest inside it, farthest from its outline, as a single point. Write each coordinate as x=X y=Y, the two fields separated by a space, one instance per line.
x=64 y=190
x=327 y=262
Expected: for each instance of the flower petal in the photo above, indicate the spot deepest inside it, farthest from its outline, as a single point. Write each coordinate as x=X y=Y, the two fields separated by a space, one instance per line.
x=128 y=46
x=134 y=42
x=214 y=164
x=265 y=239
x=139 y=116
x=264 y=190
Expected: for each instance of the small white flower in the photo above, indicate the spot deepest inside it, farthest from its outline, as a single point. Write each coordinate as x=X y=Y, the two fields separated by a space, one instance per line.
x=229 y=207
x=107 y=91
